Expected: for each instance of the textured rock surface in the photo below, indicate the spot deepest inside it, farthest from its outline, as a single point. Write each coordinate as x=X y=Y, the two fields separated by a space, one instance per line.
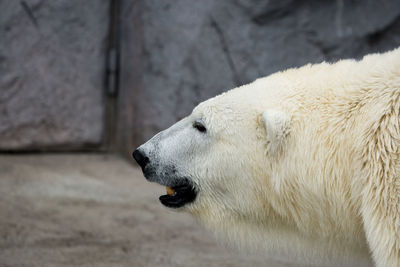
x=175 y=54
x=51 y=73
x=192 y=50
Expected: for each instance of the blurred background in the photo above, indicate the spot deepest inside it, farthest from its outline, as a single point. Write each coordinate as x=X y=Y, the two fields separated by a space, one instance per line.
x=88 y=81
x=106 y=75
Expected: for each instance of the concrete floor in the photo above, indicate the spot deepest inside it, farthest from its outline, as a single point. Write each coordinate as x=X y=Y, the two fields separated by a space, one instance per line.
x=97 y=210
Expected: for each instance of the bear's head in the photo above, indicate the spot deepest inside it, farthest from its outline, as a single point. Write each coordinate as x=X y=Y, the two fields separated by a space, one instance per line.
x=218 y=159
x=271 y=165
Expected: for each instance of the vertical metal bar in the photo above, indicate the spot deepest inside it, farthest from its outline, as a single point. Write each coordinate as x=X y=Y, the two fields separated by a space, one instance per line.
x=112 y=76
x=112 y=68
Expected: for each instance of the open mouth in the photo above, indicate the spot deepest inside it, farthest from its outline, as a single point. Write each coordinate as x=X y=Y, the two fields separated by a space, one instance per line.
x=179 y=195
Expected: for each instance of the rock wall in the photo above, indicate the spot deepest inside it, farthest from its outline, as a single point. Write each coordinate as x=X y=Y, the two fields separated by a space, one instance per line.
x=174 y=54
x=192 y=50
x=52 y=59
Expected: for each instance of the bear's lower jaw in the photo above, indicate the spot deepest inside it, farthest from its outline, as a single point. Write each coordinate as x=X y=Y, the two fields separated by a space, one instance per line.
x=184 y=193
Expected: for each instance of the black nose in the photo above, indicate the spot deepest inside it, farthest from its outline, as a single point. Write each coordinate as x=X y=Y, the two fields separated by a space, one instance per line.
x=140 y=158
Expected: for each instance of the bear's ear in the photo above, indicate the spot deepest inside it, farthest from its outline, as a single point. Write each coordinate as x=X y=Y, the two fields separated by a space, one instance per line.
x=277 y=126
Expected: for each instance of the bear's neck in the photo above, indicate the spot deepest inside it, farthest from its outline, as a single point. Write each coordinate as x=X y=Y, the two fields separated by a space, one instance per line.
x=279 y=240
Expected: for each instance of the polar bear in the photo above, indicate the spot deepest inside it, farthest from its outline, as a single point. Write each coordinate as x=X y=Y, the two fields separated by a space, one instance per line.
x=304 y=163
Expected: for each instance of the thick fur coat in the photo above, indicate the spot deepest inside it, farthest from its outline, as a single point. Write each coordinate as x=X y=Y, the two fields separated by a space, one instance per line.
x=304 y=163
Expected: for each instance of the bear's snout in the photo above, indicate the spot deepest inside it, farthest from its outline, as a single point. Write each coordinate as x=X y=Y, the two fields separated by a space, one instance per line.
x=140 y=158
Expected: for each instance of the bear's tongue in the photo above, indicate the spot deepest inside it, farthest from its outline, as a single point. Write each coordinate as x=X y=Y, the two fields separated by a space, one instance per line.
x=170 y=191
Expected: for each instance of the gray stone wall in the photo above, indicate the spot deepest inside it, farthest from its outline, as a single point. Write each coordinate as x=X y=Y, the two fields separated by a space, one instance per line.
x=52 y=59
x=192 y=50
x=174 y=54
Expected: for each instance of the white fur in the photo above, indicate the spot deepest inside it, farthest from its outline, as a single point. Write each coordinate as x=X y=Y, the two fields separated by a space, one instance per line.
x=303 y=164
x=277 y=128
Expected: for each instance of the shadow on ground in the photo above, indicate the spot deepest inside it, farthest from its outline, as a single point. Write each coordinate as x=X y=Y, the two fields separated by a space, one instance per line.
x=97 y=210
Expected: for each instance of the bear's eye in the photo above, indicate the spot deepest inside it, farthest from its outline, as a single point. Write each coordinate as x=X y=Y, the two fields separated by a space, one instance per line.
x=199 y=126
